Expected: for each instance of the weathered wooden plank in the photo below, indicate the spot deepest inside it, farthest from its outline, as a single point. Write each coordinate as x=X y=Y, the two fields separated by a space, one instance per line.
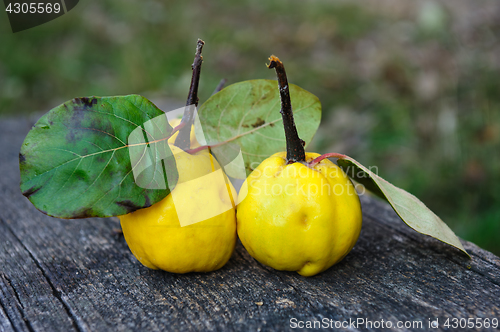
x=6 y=311
x=26 y=292
x=79 y=275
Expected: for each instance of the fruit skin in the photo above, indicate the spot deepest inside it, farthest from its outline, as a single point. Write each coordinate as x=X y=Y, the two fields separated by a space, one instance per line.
x=301 y=227
x=174 y=123
x=155 y=236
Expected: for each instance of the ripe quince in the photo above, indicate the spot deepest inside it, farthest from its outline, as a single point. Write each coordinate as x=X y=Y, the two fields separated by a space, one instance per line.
x=193 y=229
x=295 y=217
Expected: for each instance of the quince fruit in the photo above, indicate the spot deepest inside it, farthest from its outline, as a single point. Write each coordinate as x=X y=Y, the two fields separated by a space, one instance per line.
x=193 y=229
x=294 y=217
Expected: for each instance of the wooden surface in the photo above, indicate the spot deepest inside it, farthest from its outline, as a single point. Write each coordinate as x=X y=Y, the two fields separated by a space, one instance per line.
x=79 y=275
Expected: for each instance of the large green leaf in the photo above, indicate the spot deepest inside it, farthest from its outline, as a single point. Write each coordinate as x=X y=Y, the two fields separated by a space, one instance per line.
x=247 y=116
x=411 y=210
x=98 y=157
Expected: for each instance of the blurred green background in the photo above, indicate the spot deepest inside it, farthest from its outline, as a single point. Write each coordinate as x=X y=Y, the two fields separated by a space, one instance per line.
x=412 y=87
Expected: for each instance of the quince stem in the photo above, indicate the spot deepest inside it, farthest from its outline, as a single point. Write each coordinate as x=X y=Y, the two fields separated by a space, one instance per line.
x=317 y=160
x=183 y=140
x=294 y=145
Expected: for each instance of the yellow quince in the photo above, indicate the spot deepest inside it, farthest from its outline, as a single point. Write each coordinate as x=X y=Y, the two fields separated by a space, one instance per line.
x=295 y=217
x=193 y=229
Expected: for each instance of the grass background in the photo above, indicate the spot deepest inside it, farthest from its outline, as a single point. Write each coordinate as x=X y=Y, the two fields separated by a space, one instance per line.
x=412 y=87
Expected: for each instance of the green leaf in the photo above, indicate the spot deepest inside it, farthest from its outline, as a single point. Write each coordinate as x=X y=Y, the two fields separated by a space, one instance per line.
x=411 y=210
x=247 y=116
x=98 y=157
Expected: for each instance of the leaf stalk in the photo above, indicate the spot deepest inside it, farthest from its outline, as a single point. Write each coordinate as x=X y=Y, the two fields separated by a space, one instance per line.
x=317 y=160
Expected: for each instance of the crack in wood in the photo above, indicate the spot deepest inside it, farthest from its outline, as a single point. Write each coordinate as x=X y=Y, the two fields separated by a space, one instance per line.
x=55 y=292
x=10 y=322
x=18 y=305
x=9 y=283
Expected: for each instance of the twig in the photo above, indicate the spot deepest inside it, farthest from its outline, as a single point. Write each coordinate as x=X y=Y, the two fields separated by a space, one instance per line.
x=183 y=140
x=294 y=145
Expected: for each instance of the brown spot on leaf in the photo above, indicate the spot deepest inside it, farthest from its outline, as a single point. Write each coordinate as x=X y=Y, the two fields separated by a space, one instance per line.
x=22 y=158
x=31 y=191
x=129 y=205
x=148 y=202
x=79 y=112
x=70 y=136
x=80 y=175
x=83 y=213
x=259 y=122
x=101 y=159
x=85 y=101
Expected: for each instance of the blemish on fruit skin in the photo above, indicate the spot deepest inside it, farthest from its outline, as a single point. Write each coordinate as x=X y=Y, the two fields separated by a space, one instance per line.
x=279 y=171
x=305 y=264
x=304 y=220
